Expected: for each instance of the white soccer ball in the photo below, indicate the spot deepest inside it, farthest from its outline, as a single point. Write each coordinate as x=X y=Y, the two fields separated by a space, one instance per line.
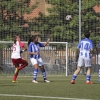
x=68 y=17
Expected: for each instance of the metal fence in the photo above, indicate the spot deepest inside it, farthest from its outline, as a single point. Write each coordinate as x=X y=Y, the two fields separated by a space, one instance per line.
x=53 y=56
x=58 y=57
x=59 y=20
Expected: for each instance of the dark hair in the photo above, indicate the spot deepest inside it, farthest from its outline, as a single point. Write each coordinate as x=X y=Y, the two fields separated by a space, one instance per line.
x=87 y=34
x=31 y=39
x=14 y=39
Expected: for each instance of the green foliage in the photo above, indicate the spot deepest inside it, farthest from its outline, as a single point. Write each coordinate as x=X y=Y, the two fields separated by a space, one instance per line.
x=11 y=15
x=55 y=23
x=91 y=19
x=59 y=29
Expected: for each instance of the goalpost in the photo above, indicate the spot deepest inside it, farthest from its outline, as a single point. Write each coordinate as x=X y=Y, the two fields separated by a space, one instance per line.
x=54 y=55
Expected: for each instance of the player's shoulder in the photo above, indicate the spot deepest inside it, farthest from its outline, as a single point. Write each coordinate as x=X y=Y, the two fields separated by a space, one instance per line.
x=38 y=43
x=17 y=43
x=90 y=40
x=31 y=44
x=99 y=44
x=87 y=39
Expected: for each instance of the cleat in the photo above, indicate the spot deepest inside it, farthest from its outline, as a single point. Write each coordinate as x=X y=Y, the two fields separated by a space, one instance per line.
x=46 y=81
x=89 y=82
x=34 y=81
x=16 y=70
x=14 y=81
x=72 y=82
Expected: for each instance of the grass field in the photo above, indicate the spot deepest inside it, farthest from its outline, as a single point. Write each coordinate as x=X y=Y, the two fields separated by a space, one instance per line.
x=58 y=89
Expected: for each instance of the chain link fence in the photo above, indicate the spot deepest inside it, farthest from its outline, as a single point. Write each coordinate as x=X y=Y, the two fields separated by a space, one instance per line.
x=54 y=19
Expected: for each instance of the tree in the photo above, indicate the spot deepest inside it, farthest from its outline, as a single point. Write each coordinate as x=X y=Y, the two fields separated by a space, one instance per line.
x=12 y=16
x=59 y=29
x=55 y=23
x=91 y=19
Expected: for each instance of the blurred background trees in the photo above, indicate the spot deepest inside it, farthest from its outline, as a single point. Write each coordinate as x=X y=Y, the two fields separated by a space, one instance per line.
x=53 y=24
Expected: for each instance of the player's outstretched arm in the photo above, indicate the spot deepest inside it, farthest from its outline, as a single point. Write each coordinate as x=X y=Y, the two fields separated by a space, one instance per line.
x=47 y=42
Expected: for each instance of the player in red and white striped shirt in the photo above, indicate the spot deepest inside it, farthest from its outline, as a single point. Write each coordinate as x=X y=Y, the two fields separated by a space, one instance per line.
x=17 y=60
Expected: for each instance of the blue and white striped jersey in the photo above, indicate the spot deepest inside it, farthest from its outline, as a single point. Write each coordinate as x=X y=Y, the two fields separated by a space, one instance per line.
x=35 y=48
x=85 y=45
x=99 y=45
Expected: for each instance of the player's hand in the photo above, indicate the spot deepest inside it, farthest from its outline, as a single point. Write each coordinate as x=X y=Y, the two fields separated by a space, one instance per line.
x=48 y=40
x=21 y=51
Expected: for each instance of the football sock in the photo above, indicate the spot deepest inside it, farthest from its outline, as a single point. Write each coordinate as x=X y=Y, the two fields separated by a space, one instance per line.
x=88 y=77
x=44 y=74
x=35 y=73
x=74 y=77
x=15 y=77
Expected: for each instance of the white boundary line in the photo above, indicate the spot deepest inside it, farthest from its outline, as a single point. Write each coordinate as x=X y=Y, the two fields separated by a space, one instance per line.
x=43 y=97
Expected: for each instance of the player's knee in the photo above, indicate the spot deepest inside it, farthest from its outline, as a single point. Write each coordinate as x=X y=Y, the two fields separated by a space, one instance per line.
x=79 y=68
x=42 y=67
x=89 y=68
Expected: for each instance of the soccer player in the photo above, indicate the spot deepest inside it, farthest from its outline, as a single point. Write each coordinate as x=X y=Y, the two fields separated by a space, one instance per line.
x=85 y=48
x=17 y=60
x=35 y=58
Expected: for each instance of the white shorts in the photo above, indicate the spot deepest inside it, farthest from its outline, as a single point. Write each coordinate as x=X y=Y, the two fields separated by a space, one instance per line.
x=99 y=59
x=37 y=61
x=83 y=61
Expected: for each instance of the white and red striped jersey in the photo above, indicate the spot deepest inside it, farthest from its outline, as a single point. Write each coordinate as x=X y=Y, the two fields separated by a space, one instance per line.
x=16 y=50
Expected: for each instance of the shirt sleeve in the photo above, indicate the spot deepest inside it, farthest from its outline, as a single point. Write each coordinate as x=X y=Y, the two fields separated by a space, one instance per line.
x=21 y=44
x=99 y=45
x=91 y=45
x=41 y=44
x=79 y=45
x=30 y=48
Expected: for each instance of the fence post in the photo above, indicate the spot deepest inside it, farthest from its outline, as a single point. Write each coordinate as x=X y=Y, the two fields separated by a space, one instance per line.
x=66 y=58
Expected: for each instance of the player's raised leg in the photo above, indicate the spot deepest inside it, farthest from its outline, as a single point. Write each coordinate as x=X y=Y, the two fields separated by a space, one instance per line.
x=23 y=63
x=17 y=67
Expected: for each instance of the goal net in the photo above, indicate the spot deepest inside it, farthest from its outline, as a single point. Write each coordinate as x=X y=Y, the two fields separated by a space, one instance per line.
x=60 y=58
x=54 y=56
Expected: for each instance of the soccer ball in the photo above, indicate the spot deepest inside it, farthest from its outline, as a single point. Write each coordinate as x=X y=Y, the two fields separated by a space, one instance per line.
x=68 y=17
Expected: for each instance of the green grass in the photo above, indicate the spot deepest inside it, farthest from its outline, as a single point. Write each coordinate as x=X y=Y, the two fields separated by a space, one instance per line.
x=58 y=87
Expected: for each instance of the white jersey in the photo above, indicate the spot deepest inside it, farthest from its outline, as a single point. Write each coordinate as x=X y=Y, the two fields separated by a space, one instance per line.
x=16 y=50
